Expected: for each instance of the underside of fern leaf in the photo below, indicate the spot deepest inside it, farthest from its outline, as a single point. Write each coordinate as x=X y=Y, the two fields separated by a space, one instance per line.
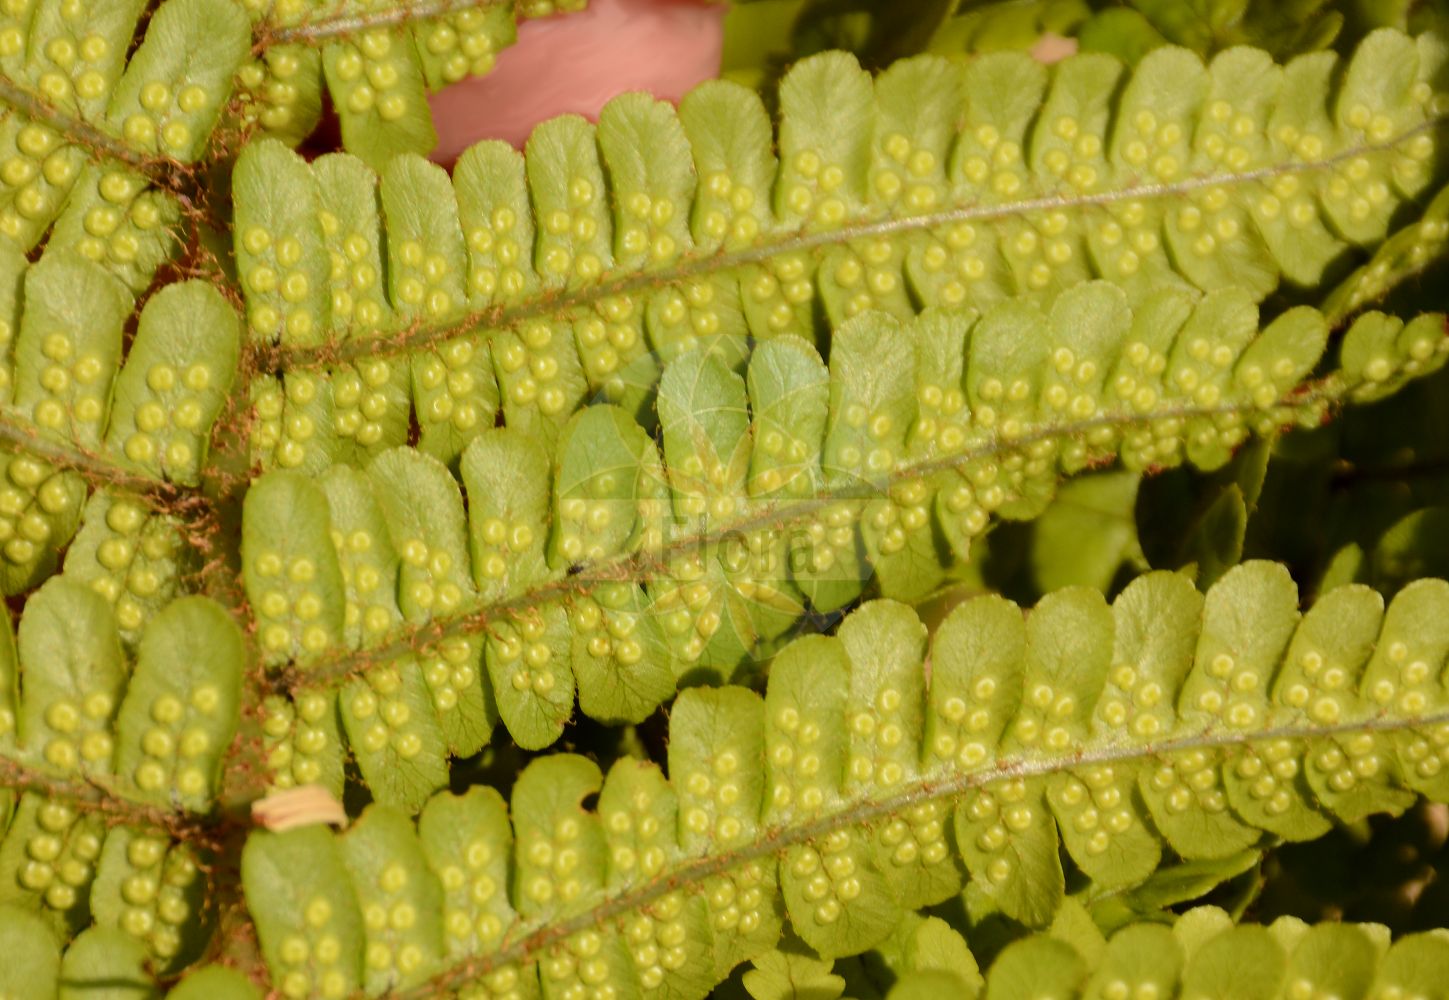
x=610 y=569
x=568 y=574
x=378 y=61
x=99 y=453
x=532 y=284
x=149 y=738
x=863 y=785
x=110 y=118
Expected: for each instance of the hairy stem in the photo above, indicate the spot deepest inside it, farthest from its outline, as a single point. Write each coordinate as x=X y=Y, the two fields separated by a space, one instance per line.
x=111 y=798
x=100 y=468
x=160 y=170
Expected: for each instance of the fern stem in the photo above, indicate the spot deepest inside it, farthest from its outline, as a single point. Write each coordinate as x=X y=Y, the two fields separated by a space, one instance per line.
x=773 y=840
x=226 y=474
x=642 y=565
x=275 y=359
x=320 y=28
x=163 y=171
x=108 y=797
x=100 y=468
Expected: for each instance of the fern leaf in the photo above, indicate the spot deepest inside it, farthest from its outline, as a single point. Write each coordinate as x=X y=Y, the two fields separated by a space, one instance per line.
x=404 y=529
x=935 y=185
x=175 y=381
x=146 y=738
x=396 y=735
x=164 y=106
x=218 y=982
x=1199 y=953
x=371 y=406
x=1204 y=954
x=399 y=102
x=106 y=961
x=379 y=62
x=98 y=962
x=181 y=704
x=295 y=584
x=48 y=502
x=79 y=414
x=280 y=92
x=469 y=841
x=179 y=78
x=77 y=311
x=36 y=966
x=828 y=800
x=930 y=946
x=302 y=740
x=306 y=887
x=152 y=894
x=393 y=882
x=143 y=120
x=635 y=473
x=886 y=452
x=279 y=246
x=782 y=975
x=68 y=708
x=73 y=844
x=1403 y=255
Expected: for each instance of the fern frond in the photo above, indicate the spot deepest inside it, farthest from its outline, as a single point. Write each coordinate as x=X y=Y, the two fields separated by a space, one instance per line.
x=100 y=150
x=865 y=785
x=935 y=185
x=611 y=423
x=140 y=744
x=100 y=759
x=606 y=569
x=76 y=418
x=95 y=150
x=380 y=60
